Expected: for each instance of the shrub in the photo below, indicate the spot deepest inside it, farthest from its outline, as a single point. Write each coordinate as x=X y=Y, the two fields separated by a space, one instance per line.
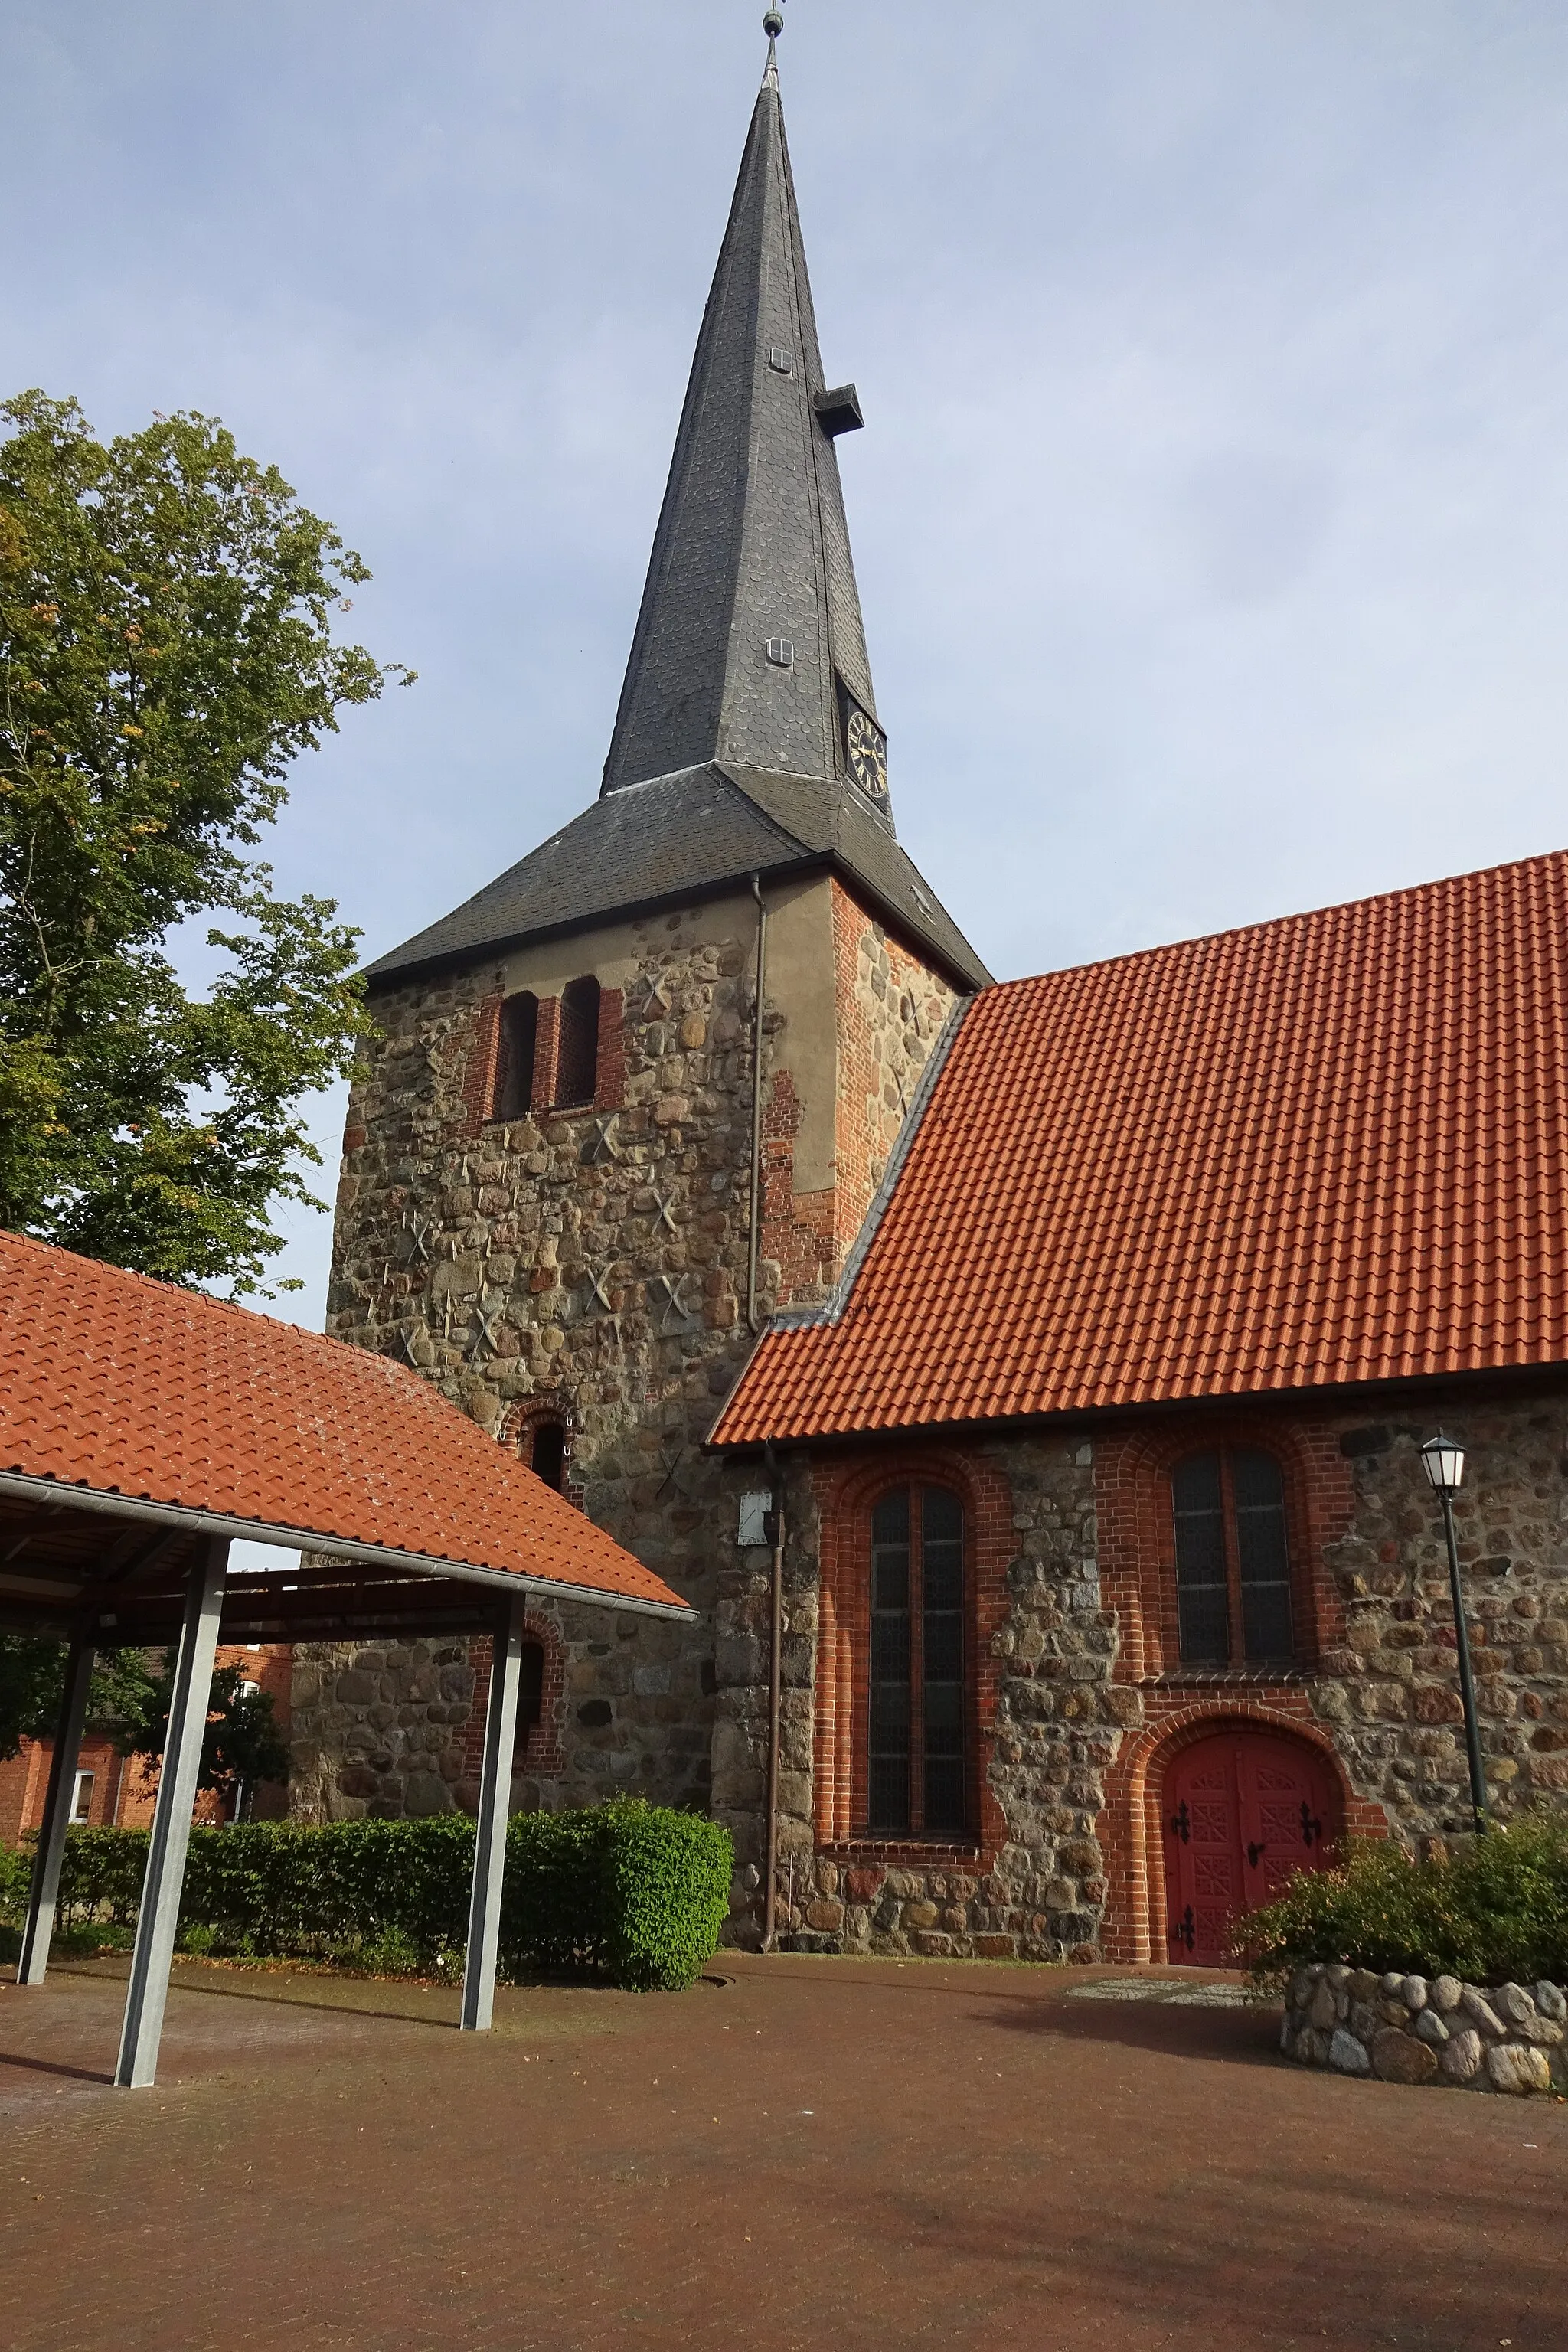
x=16 y=1875
x=625 y=1891
x=1496 y=1909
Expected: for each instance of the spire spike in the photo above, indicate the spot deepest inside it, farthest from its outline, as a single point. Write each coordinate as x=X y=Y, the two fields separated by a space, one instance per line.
x=772 y=25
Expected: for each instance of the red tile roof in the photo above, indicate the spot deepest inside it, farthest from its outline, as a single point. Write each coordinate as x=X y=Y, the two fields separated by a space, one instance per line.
x=120 y=1385
x=1328 y=1150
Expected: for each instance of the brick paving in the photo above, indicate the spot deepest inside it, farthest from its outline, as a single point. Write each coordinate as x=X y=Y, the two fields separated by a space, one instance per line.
x=815 y=2153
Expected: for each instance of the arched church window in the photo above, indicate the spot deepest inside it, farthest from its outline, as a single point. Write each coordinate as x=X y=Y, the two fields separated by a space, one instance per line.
x=916 y=1777
x=1233 y=1559
x=518 y=1047
x=577 y=1064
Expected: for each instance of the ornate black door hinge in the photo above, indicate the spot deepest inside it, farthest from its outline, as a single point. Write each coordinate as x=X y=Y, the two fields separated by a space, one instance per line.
x=1254 y=1851
x=1181 y=1823
x=1185 y=1930
x=1311 y=1827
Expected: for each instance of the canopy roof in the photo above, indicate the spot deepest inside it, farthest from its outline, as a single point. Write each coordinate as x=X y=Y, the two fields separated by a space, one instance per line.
x=1318 y=1152
x=162 y=1407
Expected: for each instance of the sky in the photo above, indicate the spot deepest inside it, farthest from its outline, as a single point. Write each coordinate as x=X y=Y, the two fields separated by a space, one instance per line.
x=1212 y=519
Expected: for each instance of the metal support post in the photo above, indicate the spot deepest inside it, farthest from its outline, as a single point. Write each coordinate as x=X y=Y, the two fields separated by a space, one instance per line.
x=775 y=1711
x=46 y=1887
x=489 y=1841
x=170 y=1842
x=1467 y=1683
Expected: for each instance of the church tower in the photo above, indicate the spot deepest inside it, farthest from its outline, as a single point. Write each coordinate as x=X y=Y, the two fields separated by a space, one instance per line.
x=639 y=1093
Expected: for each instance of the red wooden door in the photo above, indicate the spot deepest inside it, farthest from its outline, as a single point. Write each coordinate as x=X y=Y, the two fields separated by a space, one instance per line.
x=1243 y=1811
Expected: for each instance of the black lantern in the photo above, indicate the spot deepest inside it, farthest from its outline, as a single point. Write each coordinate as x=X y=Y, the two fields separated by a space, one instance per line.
x=1443 y=1459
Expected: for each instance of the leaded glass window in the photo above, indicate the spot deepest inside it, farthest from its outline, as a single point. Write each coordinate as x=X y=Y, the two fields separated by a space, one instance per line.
x=1233 y=1562
x=918 y=1764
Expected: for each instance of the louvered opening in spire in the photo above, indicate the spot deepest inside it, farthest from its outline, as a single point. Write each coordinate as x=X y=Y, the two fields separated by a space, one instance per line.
x=749 y=646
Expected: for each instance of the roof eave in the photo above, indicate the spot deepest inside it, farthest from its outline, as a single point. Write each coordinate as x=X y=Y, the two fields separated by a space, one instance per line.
x=35 y=1488
x=381 y=974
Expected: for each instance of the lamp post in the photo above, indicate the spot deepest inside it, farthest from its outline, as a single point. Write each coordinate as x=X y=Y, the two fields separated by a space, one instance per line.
x=1443 y=1459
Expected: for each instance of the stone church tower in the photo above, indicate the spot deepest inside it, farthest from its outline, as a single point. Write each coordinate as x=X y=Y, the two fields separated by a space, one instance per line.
x=566 y=1197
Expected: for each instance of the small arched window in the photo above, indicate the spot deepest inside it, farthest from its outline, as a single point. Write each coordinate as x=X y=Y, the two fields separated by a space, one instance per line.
x=577 y=1060
x=545 y=1451
x=530 y=1696
x=917 y=1775
x=518 y=1047
x=1233 y=1562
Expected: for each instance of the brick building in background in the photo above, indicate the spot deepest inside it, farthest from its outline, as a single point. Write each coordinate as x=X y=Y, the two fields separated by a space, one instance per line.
x=1101 y=1313
x=118 y=1791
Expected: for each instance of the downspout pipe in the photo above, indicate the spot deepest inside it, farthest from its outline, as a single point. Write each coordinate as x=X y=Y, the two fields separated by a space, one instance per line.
x=776 y=1702
x=754 y=1240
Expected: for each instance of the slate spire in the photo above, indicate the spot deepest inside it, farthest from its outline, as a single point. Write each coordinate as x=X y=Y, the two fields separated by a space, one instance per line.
x=749 y=648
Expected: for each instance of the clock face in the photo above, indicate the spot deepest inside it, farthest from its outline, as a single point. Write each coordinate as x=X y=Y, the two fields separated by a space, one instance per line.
x=866 y=753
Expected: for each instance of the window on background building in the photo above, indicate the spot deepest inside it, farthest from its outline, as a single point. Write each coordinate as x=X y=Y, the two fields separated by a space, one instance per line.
x=917 y=1781
x=517 y=1049
x=577 y=1063
x=81 y=1797
x=544 y=1451
x=1233 y=1562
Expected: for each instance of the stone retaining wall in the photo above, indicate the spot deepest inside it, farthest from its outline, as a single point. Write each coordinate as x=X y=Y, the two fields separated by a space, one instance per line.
x=1427 y=2030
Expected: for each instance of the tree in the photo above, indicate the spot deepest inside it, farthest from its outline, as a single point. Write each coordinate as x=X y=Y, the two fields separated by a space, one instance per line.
x=242 y=1744
x=32 y=1683
x=165 y=651
x=129 y=1697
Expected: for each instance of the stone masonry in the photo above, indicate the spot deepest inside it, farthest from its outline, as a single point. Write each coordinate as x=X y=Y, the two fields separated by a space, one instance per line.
x=1065 y=1704
x=596 y=1260
x=1411 y=2028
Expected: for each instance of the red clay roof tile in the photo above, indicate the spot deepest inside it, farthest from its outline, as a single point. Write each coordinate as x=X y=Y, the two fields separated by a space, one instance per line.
x=1328 y=1149
x=115 y=1383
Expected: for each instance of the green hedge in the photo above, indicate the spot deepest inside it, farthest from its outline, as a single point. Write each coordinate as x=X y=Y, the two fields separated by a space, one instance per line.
x=628 y=1891
x=1496 y=1911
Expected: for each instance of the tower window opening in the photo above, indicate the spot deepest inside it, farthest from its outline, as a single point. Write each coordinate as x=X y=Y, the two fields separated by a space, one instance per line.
x=515 y=1061
x=577 y=1067
x=547 y=1453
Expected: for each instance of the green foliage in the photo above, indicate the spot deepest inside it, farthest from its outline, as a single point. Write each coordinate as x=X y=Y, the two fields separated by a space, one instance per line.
x=628 y=1891
x=130 y=1696
x=242 y=1741
x=165 y=651
x=1496 y=1910
x=16 y=1872
x=32 y=1682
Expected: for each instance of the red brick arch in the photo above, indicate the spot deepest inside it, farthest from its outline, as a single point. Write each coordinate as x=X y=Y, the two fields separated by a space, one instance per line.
x=1130 y=1827
x=1137 y=1539
x=546 y=1751
x=844 y=1497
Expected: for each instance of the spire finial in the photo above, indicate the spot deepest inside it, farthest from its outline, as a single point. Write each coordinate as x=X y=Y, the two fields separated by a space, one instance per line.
x=772 y=25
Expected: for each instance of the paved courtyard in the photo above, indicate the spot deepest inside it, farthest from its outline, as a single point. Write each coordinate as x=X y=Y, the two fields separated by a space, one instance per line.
x=809 y=2153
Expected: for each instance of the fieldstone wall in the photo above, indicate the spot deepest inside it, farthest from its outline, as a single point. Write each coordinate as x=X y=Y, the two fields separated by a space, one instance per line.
x=596 y=1258
x=1410 y=2029
x=1389 y=1686
x=1036 y=1887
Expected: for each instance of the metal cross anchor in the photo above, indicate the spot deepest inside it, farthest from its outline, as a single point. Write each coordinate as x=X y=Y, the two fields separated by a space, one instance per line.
x=670 y=1287
x=488 y=1328
x=671 y=1458
x=657 y=1001
x=421 y=1255
x=603 y=1147
x=597 y=1294
x=664 y=1208
x=408 y=1331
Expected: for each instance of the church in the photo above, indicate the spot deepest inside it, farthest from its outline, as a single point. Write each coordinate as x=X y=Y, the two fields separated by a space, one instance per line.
x=1024 y=1381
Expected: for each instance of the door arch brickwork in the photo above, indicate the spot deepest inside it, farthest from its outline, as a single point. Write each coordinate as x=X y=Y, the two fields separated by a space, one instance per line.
x=1132 y=1830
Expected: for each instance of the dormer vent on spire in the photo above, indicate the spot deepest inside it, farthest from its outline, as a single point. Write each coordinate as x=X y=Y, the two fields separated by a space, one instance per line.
x=749 y=649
